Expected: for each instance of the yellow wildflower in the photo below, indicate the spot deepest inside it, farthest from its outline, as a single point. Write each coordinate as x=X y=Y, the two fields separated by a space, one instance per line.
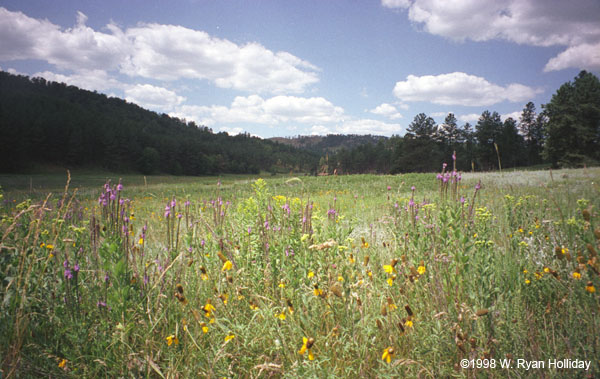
x=421 y=270
x=311 y=274
x=388 y=354
x=172 y=339
x=204 y=327
x=62 y=363
x=229 y=338
x=590 y=287
x=576 y=275
x=340 y=278
x=227 y=266
x=141 y=241
x=281 y=316
x=307 y=344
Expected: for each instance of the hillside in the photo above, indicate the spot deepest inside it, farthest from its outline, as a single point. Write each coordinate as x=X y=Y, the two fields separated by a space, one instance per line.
x=329 y=143
x=49 y=123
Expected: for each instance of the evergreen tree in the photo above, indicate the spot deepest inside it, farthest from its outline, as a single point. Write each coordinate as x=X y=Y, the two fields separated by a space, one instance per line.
x=487 y=132
x=573 y=127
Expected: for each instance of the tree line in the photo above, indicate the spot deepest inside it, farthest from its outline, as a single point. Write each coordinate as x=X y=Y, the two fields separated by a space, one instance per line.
x=50 y=123
x=43 y=122
x=565 y=133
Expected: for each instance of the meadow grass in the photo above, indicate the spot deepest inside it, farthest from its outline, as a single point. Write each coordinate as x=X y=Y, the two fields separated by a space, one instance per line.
x=339 y=276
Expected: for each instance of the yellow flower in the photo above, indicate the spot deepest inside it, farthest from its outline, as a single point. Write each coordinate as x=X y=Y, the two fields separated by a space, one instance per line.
x=204 y=327
x=408 y=323
x=227 y=266
x=538 y=275
x=527 y=281
x=421 y=270
x=203 y=273
x=62 y=363
x=525 y=271
x=229 y=337
x=576 y=275
x=340 y=278
x=141 y=241
x=49 y=246
x=307 y=344
x=281 y=284
x=281 y=316
x=208 y=309
x=390 y=280
x=546 y=270
x=311 y=274
x=388 y=354
x=172 y=339
x=590 y=287
x=389 y=269
x=253 y=306
x=317 y=291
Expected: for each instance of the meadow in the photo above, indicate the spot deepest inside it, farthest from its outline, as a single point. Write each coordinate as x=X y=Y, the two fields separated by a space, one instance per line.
x=338 y=276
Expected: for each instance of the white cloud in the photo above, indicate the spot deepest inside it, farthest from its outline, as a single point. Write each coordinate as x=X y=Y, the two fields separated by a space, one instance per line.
x=458 y=88
x=515 y=116
x=272 y=111
x=360 y=126
x=580 y=56
x=163 y=52
x=471 y=117
x=93 y=80
x=530 y=22
x=387 y=110
x=152 y=97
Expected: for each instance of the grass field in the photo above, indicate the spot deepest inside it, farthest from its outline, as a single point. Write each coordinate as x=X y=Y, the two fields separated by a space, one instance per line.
x=345 y=276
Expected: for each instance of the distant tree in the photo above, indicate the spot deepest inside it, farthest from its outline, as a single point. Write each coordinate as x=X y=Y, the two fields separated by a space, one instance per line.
x=422 y=127
x=487 y=132
x=511 y=145
x=532 y=131
x=573 y=127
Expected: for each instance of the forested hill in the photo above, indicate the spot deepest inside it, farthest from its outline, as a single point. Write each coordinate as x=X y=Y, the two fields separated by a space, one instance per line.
x=329 y=143
x=49 y=123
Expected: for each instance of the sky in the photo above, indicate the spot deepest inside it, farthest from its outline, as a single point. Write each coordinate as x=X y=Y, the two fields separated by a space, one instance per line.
x=303 y=67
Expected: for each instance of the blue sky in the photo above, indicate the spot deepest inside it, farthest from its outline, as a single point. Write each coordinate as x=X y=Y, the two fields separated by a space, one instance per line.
x=284 y=68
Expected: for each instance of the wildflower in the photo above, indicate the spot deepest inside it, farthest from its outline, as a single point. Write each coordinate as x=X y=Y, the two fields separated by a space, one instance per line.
x=204 y=327
x=391 y=268
x=388 y=354
x=351 y=259
x=576 y=275
x=340 y=278
x=527 y=281
x=208 y=308
x=203 y=275
x=538 y=275
x=224 y=298
x=421 y=269
x=141 y=241
x=229 y=337
x=317 y=291
x=391 y=279
x=408 y=322
x=281 y=284
x=391 y=304
x=281 y=316
x=311 y=274
x=307 y=344
x=172 y=339
x=227 y=266
x=62 y=363
x=253 y=306
x=290 y=306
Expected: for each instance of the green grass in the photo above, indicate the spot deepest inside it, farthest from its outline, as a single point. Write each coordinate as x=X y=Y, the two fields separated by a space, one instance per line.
x=504 y=274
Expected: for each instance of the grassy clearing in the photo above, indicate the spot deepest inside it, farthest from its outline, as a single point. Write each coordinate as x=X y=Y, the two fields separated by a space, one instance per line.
x=345 y=276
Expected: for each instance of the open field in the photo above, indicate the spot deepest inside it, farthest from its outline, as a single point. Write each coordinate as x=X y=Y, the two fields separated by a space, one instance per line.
x=346 y=276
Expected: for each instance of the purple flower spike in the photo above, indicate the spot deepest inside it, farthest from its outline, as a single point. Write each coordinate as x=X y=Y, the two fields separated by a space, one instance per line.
x=76 y=267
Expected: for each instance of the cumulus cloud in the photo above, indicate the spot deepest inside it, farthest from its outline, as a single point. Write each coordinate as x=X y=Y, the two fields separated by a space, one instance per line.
x=458 y=88
x=531 y=22
x=580 y=56
x=273 y=111
x=93 y=80
x=470 y=118
x=164 y=52
x=387 y=110
x=152 y=97
x=359 y=126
